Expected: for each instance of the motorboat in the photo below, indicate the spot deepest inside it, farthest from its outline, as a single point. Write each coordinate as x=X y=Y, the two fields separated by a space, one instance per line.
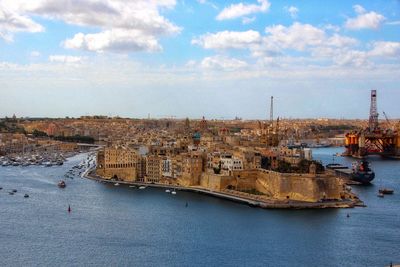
x=167 y=191
x=173 y=192
x=62 y=184
x=116 y=184
x=26 y=196
x=142 y=187
x=132 y=186
x=386 y=191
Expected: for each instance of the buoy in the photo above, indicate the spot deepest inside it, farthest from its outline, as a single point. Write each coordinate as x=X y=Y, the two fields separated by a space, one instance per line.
x=69 y=208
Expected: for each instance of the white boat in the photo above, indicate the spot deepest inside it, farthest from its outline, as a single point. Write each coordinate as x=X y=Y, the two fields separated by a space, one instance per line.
x=116 y=184
x=167 y=191
x=132 y=186
x=142 y=187
x=173 y=192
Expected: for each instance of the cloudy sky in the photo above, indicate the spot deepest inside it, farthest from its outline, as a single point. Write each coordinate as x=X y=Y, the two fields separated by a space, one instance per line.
x=215 y=58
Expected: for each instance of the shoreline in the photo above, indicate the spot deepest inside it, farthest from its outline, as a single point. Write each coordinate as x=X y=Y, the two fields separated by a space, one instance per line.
x=264 y=204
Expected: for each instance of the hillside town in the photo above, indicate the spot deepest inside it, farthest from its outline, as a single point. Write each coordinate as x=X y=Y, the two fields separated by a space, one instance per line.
x=259 y=160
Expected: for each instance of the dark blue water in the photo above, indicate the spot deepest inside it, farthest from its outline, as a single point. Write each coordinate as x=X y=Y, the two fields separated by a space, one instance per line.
x=121 y=226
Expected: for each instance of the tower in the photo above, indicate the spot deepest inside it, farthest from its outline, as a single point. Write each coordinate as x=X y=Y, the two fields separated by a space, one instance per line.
x=271 y=111
x=373 y=112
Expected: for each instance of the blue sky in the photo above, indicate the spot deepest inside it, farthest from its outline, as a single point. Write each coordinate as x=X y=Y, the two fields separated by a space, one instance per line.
x=219 y=59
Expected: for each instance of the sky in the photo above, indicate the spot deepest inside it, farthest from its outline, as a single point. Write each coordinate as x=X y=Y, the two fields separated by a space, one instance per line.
x=212 y=58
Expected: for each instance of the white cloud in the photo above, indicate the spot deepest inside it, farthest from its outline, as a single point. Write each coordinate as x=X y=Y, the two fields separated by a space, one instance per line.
x=352 y=58
x=386 y=49
x=205 y=2
x=331 y=27
x=65 y=59
x=298 y=36
x=118 y=18
x=364 y=20
x=247 y=20
x=228 y=39
x=337 y=40
x=396 y=22
x=304 y=36
x=222 y=62
x=293 y=11
x=12 y=22
x=35 y=54
x=114 y=40
x=359 y=9
x=239 y=10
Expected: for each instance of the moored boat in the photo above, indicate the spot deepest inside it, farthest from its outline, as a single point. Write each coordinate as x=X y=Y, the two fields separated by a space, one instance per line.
x=360 y=172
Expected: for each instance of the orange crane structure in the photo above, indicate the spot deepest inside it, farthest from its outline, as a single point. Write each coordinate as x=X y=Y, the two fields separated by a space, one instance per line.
x=373 y=140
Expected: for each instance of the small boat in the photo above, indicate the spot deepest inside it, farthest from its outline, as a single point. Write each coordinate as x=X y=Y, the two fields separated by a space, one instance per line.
x=26 y=196
x=116 y=184
x=62 y=184
x=11 y=193
x=132 y=186
x=1 y=188
x=380 y=194
x=167 y=191
x=14 y=190
x=173 y=192
x=69 y=208
x=386 y=191
x=142 y=187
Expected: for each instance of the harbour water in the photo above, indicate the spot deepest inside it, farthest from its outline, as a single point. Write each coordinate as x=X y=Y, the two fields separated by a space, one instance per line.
x=121 y=226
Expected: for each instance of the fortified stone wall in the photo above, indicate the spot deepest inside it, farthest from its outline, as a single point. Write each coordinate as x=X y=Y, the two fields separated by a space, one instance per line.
x=216 y=182
x=125 y=174
x=245 y=180
x=301 y=187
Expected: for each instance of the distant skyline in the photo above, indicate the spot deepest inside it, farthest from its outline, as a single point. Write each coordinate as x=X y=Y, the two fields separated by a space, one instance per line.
x=217 y=59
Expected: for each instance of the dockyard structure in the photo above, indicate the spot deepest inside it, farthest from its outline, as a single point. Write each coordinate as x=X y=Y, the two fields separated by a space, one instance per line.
x=375 y=139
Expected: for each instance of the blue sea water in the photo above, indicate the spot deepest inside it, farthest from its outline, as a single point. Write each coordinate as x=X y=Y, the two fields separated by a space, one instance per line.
x=121 y=226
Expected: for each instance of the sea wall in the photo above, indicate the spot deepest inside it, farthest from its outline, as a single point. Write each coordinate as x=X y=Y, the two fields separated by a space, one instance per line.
x=124 y=174
x=300 y=187
x=216 y=182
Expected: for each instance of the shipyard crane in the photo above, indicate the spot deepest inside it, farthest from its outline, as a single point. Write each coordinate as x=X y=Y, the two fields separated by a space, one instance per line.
x=387 y=119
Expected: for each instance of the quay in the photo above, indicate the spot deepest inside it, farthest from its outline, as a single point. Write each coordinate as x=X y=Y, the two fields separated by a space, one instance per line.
x=235 y=197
